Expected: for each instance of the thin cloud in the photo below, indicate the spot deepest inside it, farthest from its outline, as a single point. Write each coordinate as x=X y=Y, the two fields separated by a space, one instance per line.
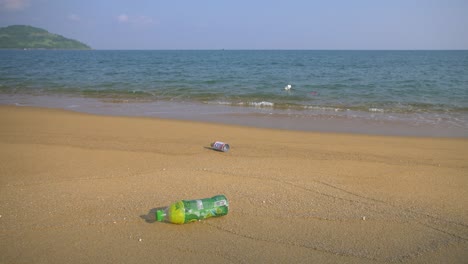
x=135 y=20
x=13 y=5
x=123 y=18
x=74 y=17
x=144 y=20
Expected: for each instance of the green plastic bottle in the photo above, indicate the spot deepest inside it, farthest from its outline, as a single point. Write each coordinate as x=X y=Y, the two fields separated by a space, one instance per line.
x=186 y=211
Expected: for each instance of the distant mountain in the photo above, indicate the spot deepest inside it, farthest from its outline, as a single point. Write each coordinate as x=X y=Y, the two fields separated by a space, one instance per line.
x=27 y=37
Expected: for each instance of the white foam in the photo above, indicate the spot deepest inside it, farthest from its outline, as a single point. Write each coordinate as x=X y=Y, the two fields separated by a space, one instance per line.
x=223 y=103
x=378 y=110
x=262 y=104
x=324 y=108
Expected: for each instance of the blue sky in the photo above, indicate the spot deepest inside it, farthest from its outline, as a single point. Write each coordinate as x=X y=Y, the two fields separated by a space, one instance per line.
x=248 y=24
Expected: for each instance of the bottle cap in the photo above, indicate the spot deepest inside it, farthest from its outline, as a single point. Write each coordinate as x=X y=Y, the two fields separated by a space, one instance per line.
x=160 y=215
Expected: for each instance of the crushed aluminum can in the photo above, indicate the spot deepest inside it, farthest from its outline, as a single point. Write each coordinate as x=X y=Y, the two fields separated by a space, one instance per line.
x=220 y=146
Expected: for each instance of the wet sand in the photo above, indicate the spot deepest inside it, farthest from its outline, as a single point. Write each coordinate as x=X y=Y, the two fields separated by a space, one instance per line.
x=330 y=121
x=80 y=188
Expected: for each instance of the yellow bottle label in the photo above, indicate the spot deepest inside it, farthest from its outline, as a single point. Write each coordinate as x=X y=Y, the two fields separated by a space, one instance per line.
x=176 y=213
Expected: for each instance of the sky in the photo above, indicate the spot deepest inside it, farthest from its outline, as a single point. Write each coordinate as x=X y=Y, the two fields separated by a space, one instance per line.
x=249 y=24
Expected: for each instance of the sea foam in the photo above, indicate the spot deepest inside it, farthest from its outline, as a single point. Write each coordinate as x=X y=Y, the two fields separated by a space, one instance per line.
x=261 y=104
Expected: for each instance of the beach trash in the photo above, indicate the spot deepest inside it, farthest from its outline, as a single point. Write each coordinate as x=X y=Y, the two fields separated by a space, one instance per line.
x=186 y=211
x=220 y=146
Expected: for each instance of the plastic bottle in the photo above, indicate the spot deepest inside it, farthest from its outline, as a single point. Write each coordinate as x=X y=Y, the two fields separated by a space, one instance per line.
x=186 y=211
x=221 y=146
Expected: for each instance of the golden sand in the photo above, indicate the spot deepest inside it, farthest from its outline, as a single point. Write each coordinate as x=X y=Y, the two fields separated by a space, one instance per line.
x=78 y=188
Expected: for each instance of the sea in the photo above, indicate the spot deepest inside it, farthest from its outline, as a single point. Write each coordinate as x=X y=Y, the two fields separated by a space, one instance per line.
x=402 y=93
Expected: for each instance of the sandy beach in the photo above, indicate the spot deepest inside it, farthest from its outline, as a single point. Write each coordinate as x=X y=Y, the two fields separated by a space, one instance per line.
x=80 y=188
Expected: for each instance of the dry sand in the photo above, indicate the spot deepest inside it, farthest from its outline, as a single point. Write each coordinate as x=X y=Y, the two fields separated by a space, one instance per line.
x=78 y=188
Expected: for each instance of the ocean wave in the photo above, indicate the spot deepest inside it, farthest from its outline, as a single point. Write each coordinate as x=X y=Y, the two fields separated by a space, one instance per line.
x=241 y=104
x=377 y=110
x=325 y=108
x=261 y=104
x=222 y=103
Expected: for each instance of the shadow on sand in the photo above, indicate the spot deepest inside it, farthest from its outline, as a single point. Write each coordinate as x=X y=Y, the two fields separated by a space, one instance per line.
x=150 y=217
x=210 y=148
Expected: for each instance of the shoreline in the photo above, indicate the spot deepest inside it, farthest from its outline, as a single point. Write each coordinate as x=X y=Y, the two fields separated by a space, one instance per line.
x=260 y=117
x=83 y=188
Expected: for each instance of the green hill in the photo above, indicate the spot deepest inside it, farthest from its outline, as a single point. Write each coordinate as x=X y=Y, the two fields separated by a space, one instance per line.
x=27 y=37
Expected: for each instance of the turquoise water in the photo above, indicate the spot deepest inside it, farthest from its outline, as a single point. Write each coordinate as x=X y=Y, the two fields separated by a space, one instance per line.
x=412 y=86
